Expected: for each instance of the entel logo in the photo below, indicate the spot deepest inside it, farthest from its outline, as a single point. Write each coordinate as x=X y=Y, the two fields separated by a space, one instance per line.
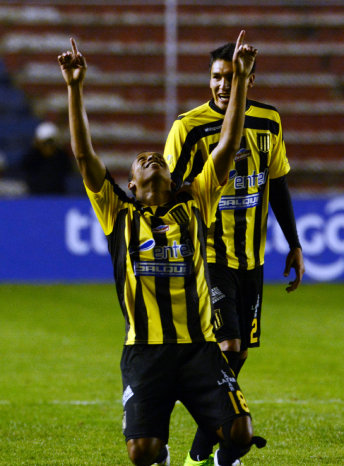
x=320 y=235
x=83 y=234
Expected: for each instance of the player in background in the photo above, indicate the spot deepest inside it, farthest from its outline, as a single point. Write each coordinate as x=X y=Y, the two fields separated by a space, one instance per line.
x=157 y=244
x=236 y=239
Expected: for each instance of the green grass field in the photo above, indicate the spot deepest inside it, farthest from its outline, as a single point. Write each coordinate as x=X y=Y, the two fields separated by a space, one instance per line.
x=60 y=386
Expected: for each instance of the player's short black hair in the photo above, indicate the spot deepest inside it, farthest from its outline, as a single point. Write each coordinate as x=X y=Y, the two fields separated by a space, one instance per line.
x=225 y=52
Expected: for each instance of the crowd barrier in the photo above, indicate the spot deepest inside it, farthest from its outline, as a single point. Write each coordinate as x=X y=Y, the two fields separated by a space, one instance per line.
x=60 y=240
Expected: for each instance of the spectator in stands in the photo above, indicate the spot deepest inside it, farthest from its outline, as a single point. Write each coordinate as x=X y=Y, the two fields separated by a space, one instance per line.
x=47 y=164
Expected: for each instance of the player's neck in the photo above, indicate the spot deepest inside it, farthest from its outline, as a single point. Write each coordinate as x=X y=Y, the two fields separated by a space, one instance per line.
x=154 y=195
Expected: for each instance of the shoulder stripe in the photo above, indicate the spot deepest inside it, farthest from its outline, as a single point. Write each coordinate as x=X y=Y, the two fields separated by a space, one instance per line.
x=262 y=124
x=119 y=191
x=254 y=103
x=197 y=133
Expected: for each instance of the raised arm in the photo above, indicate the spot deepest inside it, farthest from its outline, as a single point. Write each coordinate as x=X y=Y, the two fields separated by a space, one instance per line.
x=73 y=67
x=233 y=123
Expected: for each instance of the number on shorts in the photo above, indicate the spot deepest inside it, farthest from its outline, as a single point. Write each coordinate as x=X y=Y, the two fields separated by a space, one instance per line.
x=254 y=338
x=241 y=399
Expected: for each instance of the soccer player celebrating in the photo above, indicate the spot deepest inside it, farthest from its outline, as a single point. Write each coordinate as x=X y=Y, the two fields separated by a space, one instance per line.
x=157 y=244
x=236 y=239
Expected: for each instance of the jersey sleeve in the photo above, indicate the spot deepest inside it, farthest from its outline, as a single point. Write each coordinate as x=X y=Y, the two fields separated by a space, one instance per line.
x=279 y=164
x=177 y=153
x=207 y=190
x=106 y=204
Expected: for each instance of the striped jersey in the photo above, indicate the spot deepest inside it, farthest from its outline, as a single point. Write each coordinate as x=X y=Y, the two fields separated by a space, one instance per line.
x=237 y=235
x=159 y=259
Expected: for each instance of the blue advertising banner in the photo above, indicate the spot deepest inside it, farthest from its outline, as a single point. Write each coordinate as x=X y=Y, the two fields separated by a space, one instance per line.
x=60 y=239
x=320 y=225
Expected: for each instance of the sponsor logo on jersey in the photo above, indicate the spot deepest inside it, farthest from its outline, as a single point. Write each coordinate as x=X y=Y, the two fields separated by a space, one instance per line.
x=161 y=229
x=162 y=269
x=239 y=202
x=172 y=251
x=248 y=181
x=242 y=154
x=147 y=245
x=232 y=174
x=213 y=129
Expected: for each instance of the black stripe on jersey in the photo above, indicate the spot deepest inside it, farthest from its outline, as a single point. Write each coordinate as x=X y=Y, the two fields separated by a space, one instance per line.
x=252 y=122
x=141 y=317
x=197 y=167
x=118 y=250
x=122 y=194
x=193 y=136
x=162 y=288
x=254 y=103
x=219 y=245
x=240 y=224
x=117 y=190
x=191 y=295
x=259 y=209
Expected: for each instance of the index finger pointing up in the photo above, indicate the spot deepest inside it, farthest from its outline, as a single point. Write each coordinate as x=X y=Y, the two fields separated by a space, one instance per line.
x=74 y=46
x=240 y=39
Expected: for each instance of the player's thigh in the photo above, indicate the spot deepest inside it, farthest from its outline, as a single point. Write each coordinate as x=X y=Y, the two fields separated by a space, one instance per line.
x=224 y=295
x=208 y=388
x=251 y=296
x=148 y=375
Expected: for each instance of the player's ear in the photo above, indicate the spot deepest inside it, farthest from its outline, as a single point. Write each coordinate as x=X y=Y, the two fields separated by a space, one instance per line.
x=251 y=80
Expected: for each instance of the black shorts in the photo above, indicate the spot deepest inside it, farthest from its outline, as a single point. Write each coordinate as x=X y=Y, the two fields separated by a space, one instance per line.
x=156 y=376
x=237 y=302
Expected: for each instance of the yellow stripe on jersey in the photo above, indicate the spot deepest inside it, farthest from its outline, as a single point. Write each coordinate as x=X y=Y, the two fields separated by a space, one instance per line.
x=238 y=233
x=158 y=255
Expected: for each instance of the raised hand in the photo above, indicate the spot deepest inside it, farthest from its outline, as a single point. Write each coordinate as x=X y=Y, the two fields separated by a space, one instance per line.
x=243 y=57
x=73 y=65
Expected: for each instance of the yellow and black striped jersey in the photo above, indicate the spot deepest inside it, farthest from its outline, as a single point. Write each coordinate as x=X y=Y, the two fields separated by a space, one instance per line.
x=159 y=259
x=237 y=235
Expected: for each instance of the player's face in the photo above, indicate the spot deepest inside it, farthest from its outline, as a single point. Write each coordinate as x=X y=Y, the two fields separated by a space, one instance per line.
x=147 y=166
x=220 y=82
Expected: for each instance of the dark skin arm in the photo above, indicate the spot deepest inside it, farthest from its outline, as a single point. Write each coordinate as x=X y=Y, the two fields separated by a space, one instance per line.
x=73 y=67
x=233 y=123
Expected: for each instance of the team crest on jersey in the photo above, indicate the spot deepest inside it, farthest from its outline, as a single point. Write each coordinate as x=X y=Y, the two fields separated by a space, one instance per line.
x=180 y=215
x=161 y=229
x=263 y=142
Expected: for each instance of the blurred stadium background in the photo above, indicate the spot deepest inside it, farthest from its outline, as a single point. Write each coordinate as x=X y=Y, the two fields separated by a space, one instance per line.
x=148 y=61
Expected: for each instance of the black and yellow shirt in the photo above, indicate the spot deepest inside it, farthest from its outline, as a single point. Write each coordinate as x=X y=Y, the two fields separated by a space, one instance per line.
x=237 y=235
x=159 y=260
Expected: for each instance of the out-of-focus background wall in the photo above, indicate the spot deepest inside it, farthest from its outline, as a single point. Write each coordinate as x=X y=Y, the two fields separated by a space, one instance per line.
x=148 y=61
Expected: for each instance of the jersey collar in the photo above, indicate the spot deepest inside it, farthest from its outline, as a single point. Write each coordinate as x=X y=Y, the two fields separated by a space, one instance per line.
x=217 y=109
